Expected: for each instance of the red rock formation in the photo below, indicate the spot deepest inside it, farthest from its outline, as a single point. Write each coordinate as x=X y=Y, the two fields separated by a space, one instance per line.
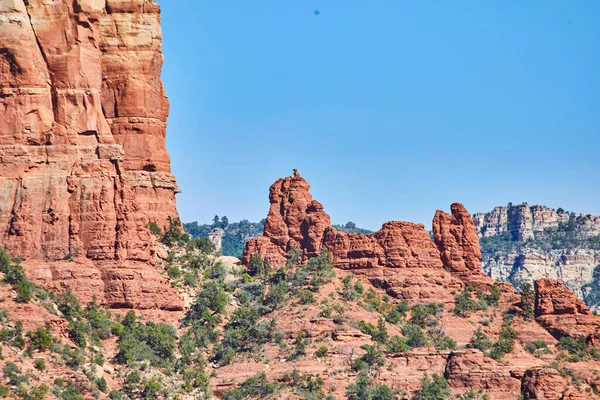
x=470 y=369
x=559 y=311
x=456 y=238
x=543 y=383
x=296 y=220
x=83 y=163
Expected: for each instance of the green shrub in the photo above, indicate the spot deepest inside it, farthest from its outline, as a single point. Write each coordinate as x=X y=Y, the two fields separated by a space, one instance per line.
x=258 y=266
x=443 y=342
x=527 y=300
x=278 y=295
x=78 y=330
x=435 y=388
x=300 y=345
x=424 y=314
x=415 y=337
x=101 y=385
x=349 y=292
x=41 y=339
x=373 y=358
x=491 y=298
x=505 y=343
x=380 y=335
x=306 y=297
x=480 y=341
x=13 y=374
x=322 y=351
x=255 y=386
x=465 y=305
x=115 y=395
x=154 y=228
x=152 y=342
x=533 y=347
x=172 y=233
x=397 y=344
x=362 y=389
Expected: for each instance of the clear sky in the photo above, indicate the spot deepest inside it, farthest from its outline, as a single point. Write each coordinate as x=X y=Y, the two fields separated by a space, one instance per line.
x=390 y=109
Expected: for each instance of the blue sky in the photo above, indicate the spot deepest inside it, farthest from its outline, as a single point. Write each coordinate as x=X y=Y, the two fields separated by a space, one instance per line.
x=391 y=109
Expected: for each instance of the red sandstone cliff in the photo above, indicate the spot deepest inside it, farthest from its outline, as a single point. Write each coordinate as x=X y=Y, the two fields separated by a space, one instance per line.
x=83 y=163
x=559 y=311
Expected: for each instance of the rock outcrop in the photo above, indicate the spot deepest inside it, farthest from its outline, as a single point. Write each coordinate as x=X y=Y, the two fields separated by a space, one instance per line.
x=83 y=162
x=296 y=220
x=456 y=238
x=470 y=369
x=562 y=314
x=538 y=242
x=543 y=383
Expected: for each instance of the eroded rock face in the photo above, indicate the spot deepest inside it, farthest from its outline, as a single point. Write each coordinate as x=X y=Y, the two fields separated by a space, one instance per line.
x=520 y=220
x=559 y=311
x=470 y=369
x=456 y=238
x=296 y=220
x=83 y=163
x=543 y=383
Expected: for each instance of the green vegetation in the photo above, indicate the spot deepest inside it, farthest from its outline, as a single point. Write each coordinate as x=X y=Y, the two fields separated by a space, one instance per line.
x=415 y=336
x=235 y=234
x=15 y=276
x=41 y=339
x=465 y=305
x=352 y=228
x=256 y=386
x=363 y=389
x=506 y=341
x=372 y=359
x=425 y=314
x=578 y=349
x=527 y=300
x=151 y=342
x=435 y=388
x=538 y=347
x=480 y=341
x=397 y=344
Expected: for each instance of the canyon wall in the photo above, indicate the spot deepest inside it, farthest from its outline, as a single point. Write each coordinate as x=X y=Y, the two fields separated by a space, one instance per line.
x=83 y=161
x=523 y=243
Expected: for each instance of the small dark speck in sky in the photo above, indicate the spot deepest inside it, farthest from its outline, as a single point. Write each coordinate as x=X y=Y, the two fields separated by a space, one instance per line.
x=317 y=12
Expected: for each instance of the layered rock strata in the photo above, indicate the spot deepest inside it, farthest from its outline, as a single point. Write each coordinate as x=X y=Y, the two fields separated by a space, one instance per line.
x=539 y=242
x=562 y=314
x=83 y=162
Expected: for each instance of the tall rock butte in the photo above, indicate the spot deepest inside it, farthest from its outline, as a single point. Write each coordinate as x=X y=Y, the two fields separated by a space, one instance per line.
x=296 y=220
x=83 y=161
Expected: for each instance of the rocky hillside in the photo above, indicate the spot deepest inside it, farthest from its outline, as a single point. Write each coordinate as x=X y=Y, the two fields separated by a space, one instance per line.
x=103 y=296
x=479 y=339
x=521 y=243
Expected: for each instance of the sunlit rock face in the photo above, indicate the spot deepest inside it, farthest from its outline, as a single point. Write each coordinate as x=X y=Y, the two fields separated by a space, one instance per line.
x=401 y=256
x=83 y=162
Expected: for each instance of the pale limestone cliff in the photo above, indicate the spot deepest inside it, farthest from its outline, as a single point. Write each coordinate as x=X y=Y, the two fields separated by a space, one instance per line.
x=523 y=243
